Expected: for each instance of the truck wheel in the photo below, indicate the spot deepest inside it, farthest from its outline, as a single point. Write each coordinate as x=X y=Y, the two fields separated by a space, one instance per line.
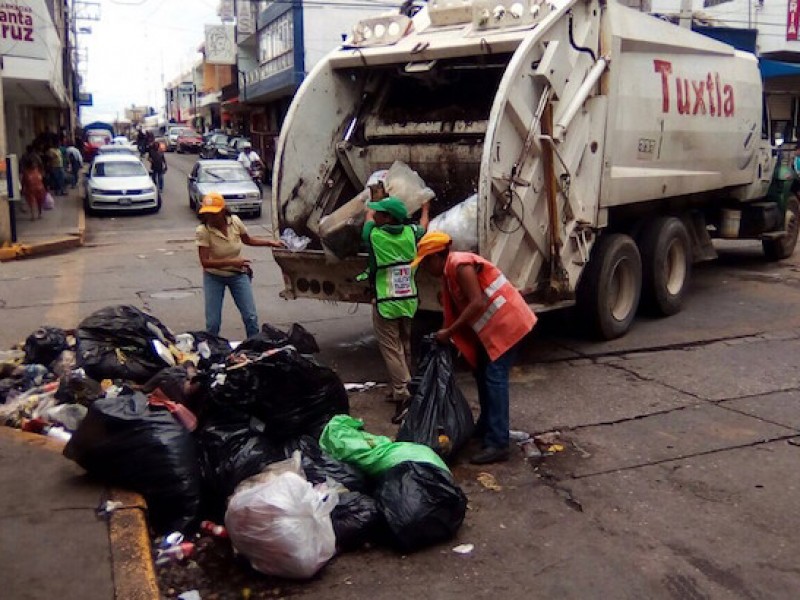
x=666 y=252
x=784 y=247
x=609 y=290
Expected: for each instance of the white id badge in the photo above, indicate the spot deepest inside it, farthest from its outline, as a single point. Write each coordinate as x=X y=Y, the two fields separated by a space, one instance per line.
x=400 y=278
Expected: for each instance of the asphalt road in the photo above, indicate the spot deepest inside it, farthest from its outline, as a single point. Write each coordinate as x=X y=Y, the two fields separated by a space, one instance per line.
x=679 y=479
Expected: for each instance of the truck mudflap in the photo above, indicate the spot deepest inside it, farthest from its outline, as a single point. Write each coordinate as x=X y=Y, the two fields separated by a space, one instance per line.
x=308 y=274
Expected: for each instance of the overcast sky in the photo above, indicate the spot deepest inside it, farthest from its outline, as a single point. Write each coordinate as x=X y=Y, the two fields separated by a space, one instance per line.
x=133 y=44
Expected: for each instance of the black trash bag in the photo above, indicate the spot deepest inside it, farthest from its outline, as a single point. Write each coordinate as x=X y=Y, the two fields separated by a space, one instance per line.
x=421 y=504
x=76 y=387
x=172 y=381
x=232 y=447
x=126 y=443
x=357 y=521
x=116 y=342
x=220 y=347
x=44 y=345
x=291 y=393
x=439 y=416
x=271 y=337
x=318 y=466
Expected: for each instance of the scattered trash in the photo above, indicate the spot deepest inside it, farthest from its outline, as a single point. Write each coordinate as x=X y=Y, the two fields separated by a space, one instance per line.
x=175 y=553
x=45 y=345
x=356 y=521
x=363 y=387
x=488 y=481
x=553 y=448
x=546 y=439
x=439 y=415
x=190 y=595
x=530 y=450
x=171 y=539
x=464 y=548
x=213 y=529
x=108 y=507
x=518 y=436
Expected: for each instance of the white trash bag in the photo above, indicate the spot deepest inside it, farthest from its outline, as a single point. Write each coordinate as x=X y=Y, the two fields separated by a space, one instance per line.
x=461 y=224
x=283 y=526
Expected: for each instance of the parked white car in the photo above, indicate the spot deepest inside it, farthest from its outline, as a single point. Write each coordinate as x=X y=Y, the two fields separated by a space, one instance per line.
x=120 y=182
x=172 y=136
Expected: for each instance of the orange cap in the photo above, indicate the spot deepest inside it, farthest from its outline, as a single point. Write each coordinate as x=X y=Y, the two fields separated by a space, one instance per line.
x=213 y=202
x=432 y=242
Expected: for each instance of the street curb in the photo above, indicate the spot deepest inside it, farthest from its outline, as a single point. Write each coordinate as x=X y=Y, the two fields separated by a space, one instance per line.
x=132 y=567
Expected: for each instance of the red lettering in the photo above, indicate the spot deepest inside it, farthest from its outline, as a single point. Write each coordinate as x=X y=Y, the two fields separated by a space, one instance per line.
x=665 y=68
x=712 y=108
x=699 y=102
x=684 y=105
x=728 y=106
x=719 y=95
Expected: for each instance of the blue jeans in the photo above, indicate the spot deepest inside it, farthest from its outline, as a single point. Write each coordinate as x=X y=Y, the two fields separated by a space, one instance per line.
x=242 y=292
x=492 y=380
x=158 y=179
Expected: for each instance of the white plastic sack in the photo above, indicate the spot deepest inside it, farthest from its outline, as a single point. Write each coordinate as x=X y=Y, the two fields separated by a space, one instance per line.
x=461 y=224
x=283 y=526
x=294 y=242
x=404 y=183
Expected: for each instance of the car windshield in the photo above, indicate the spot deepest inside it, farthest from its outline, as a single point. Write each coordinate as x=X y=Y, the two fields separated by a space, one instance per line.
x=97 y=139
x=234 y=172
x=119 y=169
x=219 y=139
x=188 y=133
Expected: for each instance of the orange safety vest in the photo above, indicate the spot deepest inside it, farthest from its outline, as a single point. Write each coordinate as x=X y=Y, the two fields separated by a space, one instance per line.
x=506 y=317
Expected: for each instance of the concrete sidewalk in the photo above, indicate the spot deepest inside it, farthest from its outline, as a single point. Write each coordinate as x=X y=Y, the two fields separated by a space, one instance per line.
x=51 y=538
x=59 y=229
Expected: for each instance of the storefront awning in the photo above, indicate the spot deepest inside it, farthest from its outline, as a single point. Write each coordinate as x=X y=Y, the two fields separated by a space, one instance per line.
x=777 y=68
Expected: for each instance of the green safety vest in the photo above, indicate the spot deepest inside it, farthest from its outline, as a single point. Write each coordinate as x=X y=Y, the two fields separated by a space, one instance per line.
x=392 y=275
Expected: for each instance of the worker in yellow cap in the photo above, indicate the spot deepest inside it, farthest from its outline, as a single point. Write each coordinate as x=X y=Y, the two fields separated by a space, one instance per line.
x=392 y=245
x=486 y=318
x=219 y=242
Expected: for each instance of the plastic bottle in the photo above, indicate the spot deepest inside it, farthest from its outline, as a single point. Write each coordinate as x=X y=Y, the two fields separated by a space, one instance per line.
x=175 y=553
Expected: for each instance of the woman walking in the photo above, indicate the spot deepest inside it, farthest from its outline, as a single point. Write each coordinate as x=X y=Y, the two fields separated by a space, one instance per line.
x=219 y=242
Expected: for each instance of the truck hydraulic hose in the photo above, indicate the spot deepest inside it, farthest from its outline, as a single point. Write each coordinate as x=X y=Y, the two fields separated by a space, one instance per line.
x=575 y=46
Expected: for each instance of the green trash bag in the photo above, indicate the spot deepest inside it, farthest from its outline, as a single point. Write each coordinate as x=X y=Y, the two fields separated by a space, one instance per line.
x=344 y=438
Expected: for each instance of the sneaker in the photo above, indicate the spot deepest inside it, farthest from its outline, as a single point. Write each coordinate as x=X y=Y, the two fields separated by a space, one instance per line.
x=490 y=455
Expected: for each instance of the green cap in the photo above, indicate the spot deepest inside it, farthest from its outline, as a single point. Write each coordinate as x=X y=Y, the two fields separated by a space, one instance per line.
x=392 y=206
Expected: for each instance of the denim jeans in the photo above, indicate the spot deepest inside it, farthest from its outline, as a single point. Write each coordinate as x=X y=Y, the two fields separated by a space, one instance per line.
x=242 y=292
x=158 y=179
x=492 y=380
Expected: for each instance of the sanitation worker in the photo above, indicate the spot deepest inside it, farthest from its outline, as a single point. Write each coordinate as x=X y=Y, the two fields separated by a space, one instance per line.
x=392 y=245
x=486 y=318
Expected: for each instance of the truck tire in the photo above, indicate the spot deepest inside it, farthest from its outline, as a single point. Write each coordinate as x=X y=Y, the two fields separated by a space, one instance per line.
x=784 y=247
x=666 y=251
x=609 y=290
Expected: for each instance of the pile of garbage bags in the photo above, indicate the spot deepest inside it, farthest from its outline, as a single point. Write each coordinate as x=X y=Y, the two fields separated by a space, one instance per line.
x=258 y=436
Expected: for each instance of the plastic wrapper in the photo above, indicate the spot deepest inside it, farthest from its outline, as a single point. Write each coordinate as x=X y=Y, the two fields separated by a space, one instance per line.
x=44 y=345
x=404 y=183
x=65 y=363
x=29 y=404
x=77 y=387
x=320 y=467
x=461 y=224
x=290 y=392
x=125 y=442
x=283 y=526
x=271 y=337
x=421 y=505
x=344 y=438
x=357 y=521
x=68 y=415
x=294 y=242
x=218 y=348
x=439 y=415
x=119 y=342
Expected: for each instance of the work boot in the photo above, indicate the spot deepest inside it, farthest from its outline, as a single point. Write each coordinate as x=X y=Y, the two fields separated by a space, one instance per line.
x=489 y=455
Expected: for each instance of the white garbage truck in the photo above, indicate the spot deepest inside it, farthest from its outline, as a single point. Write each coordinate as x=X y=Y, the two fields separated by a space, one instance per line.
x=606 y=147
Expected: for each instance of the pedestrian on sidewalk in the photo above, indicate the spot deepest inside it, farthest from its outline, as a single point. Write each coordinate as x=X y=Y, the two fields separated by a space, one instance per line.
x=55 y=162
x=219 y=242
x=32 y=179
x=392 y=245
x=486 y=318
x=158 y=164
x=75 y=161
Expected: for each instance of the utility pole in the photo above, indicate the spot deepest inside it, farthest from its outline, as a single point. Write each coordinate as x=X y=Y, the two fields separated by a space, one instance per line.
x=685 y=18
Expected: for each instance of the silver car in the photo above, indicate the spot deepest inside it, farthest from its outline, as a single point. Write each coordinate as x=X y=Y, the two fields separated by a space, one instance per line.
x=228 y=178
x=120 y=182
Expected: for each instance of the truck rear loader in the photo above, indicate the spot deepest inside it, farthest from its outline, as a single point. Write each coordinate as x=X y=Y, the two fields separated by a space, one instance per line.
x=607 y=148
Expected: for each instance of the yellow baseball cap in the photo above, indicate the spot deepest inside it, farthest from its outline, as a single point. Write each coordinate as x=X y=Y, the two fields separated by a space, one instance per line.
x=432 y=242
x=213 y=202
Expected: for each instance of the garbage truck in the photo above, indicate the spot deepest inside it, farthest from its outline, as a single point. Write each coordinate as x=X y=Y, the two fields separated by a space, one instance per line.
x=607 y=149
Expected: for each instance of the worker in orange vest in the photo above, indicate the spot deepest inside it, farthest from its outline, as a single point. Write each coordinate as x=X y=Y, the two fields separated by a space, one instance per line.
x=486 y=318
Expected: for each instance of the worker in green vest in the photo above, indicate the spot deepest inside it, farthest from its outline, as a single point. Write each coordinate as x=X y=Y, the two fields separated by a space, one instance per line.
x=392 y=245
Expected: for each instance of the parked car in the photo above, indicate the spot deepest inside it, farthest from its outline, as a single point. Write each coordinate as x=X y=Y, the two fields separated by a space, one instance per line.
x=120 y=182
x=216 y=147
x=118 y=149
x=228 y=178
x=188 y=141
x=172 y=136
